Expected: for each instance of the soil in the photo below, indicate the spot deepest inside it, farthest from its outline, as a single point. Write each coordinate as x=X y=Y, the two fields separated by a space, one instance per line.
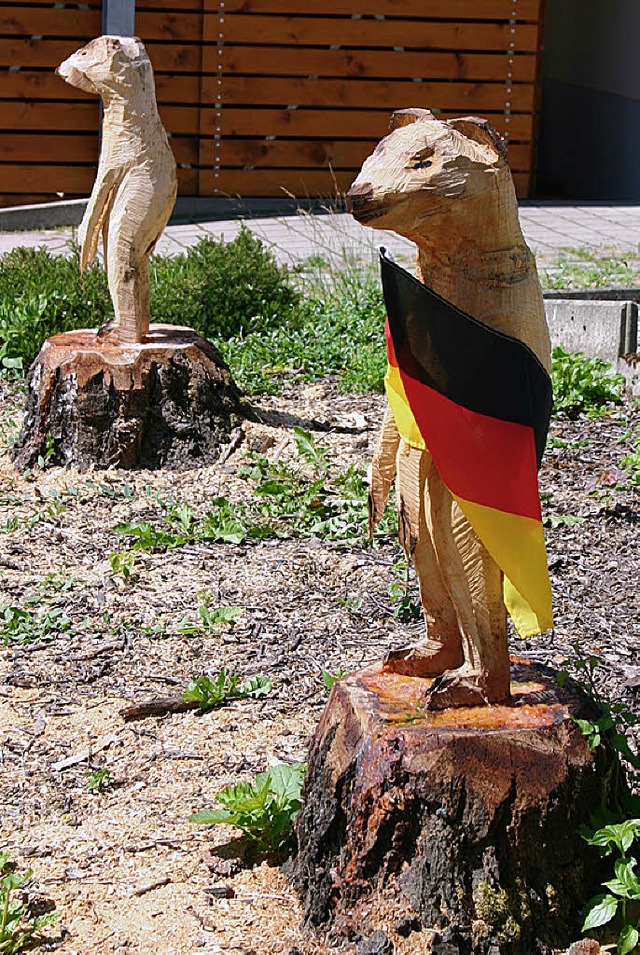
x=125 y=868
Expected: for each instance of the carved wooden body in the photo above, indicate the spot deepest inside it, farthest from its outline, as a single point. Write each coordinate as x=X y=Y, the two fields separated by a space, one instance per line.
x=447 y=187
x=135 y=188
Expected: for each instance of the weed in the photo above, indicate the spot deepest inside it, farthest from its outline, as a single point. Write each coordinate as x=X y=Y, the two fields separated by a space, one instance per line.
x=98 y=780
x=123 y=563
x=265 y=810
x=19 y=925
x=631 y=463
x=583 y=384
x=406 y=609
x=210 y=692
x=21 y=625
x=619 y=831
x=562 y=520
x=210 y=620
x=43 y=294
x=582 y=269
x=330 y=678
x=623 y=888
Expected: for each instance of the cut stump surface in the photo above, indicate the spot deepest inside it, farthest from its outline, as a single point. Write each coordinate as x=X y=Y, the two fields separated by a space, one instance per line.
x=166 y=402
x=471 y=816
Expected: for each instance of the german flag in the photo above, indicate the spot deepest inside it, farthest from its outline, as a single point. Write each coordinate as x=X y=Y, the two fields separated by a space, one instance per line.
x=480 y=402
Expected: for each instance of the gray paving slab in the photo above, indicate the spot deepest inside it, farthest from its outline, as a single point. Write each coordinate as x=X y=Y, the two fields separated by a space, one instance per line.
x=337 y=238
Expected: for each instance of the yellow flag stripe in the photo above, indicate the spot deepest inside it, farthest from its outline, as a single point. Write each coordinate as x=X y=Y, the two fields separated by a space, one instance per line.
x=405 y=422
x=515 y=542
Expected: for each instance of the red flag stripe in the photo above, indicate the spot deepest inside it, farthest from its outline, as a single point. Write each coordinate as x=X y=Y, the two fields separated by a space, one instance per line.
x=481 y=459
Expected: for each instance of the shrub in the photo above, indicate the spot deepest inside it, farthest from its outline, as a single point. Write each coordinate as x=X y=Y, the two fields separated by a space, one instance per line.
x=223 y=289
x=43 y=294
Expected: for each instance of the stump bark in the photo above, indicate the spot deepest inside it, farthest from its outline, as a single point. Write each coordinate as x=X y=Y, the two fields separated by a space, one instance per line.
x=469 y=815
x=169 y=401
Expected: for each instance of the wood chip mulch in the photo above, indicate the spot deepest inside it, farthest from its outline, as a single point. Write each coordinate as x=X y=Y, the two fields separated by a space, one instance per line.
x=125 y=868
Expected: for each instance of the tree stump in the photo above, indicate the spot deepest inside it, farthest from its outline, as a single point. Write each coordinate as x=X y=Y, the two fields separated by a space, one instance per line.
x=469 y=818
x=169 y=401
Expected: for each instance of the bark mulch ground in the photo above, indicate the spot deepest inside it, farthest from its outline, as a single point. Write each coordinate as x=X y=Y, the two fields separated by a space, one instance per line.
x=125 y=868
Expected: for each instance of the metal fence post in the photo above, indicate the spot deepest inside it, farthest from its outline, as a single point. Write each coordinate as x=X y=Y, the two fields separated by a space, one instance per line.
x=118 y=17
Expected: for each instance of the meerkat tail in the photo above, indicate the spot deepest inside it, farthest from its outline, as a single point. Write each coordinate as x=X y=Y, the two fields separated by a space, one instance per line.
x=383 y=469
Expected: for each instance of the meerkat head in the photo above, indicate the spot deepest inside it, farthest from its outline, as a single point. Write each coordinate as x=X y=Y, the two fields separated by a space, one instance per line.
x=421 y=166
x=107 y=64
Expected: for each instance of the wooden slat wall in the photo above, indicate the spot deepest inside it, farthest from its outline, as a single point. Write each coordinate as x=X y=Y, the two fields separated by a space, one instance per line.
x=267 y=97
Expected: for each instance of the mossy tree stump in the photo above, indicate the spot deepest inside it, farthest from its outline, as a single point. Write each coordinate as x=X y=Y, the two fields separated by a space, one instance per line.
x=469 y=816
x=168 y=401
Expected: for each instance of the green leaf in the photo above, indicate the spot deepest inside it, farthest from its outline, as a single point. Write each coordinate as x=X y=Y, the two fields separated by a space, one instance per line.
x=255 y=686
x=206 y=816
x=627 y=940
x=600 y=910
x=286 y=780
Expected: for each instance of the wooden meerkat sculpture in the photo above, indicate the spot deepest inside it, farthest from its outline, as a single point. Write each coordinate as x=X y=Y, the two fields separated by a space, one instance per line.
x=447 y=187
x=136 y=185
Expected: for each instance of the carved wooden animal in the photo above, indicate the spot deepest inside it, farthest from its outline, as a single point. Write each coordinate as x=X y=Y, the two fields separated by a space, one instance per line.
x=135 y=188
x=447 y=187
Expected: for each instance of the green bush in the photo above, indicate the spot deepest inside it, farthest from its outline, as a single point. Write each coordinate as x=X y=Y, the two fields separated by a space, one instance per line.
x=43 y=294
x=223 y=289
x=266 y=320
x=583 y=384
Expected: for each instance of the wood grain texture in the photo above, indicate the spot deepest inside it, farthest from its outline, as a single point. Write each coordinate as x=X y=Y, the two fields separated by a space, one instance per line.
x=437 y=9
x=363 y=64
x=352 y=93
x=325 y=31
x=135 y=187
x=459 y=208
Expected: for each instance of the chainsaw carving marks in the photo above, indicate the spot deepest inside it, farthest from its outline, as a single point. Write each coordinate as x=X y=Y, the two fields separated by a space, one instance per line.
x=135 y=188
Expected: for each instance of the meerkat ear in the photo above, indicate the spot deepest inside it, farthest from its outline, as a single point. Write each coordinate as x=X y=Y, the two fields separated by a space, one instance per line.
x=404 y=117
x=480 y=131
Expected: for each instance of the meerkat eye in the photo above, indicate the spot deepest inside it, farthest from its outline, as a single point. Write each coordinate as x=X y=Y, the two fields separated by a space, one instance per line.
x=422 y=160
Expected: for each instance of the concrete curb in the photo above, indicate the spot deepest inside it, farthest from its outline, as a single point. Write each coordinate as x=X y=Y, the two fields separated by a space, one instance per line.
x=69 y=212
x=600 y=329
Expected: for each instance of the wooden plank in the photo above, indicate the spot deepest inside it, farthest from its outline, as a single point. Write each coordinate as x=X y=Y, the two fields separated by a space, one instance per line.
x=176 y=27
x=331 y=124
x=300 y=183
x=76 y=148
x=69 y=180
x=72 y=4
x=85 y=24
x=438 y=9
x=361 y=94
x=82 y=117
x=375 y=64
x=327 y=31
x=45 y=85
x=40 y=85
x=20 y=199
x=310 y=153
x=48 y=53
x=25 y=148
x=16 y=177
x=47 y=21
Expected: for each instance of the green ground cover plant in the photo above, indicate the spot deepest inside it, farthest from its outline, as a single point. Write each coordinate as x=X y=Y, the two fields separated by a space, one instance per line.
x=19 y=925
x=264 y=810
x=583 y=268
x=616 y=827
x=582 y=384
x=300 y=499
x=211 y=691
